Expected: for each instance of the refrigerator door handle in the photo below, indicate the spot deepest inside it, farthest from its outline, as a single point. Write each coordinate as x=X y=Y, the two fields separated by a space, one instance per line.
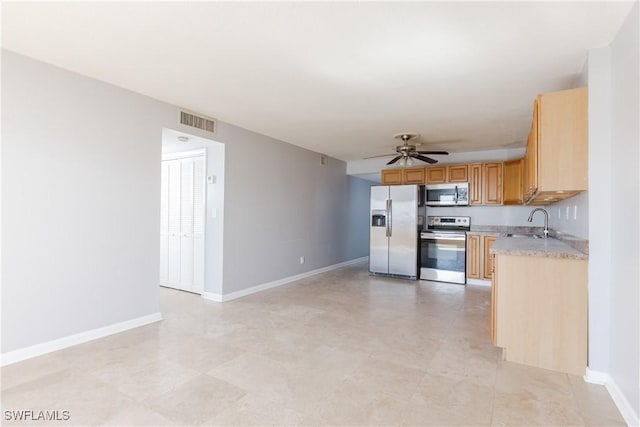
x=389 y=218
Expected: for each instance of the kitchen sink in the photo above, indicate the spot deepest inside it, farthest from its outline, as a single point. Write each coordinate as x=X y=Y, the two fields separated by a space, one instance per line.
x=531 y=236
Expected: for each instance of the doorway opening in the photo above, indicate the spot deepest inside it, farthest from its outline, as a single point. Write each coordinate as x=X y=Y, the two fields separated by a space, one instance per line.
x=191 y=213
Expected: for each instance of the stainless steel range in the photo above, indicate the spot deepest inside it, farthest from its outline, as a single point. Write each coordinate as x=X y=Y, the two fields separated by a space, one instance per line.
x=443 y=251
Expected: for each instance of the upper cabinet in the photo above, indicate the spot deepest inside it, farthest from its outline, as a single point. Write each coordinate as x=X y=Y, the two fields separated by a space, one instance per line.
x=402 y=176
x=485 y=184
x=513 y=182
x=475 y=184
x=436 y=175
x=391 y=176
x=458 y=173
x=556 y=156
x=443 y=174
x=492 y=183
x=413 y=176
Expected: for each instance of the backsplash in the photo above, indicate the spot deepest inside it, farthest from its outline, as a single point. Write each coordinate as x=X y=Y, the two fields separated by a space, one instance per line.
x=571 y=216
x=490 y=215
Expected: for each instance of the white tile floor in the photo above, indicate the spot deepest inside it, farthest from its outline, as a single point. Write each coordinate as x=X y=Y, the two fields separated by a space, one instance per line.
x=341 y=348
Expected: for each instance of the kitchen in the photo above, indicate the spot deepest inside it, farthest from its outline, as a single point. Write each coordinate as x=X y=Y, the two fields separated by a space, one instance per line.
x=298 y=215
x=413 y=238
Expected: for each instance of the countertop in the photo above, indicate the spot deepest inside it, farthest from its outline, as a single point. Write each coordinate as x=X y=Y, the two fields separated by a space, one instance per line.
x=527 y=246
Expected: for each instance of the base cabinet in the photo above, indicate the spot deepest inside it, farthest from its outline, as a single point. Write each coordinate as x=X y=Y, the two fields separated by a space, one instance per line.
x=539 y=311
x=479 y=261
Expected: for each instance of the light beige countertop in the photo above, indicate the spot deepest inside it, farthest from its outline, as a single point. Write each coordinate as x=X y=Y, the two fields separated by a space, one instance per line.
x=527 y=246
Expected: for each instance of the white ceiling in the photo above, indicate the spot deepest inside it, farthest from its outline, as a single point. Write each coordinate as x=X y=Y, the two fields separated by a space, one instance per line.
x=335 y=77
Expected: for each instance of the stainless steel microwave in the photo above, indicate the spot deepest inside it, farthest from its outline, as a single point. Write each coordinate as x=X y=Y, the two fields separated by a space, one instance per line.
x=453 y=194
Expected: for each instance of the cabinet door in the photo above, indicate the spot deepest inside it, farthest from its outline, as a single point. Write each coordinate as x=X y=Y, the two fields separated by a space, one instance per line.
x=164 y=224
x=436 y=175
x=473 y=256
x=413 y=176
x=512 y=188
x=488 y=258
x=562 y=135
x=531 y=157
x=475 y=184
x=391 y=176
x=492 y=183
x=458 y=173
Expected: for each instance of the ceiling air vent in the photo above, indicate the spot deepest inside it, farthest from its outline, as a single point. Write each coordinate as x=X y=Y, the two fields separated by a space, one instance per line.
x=195 y=121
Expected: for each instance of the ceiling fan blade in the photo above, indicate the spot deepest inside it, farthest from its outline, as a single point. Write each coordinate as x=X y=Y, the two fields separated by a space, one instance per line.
x=443 y=153
x=425 y=159
x=381 y=155
x=394 y=160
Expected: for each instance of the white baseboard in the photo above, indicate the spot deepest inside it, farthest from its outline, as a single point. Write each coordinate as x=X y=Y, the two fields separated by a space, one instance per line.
x=252 y=290
x=479 y=282
x=625 y=408
x=60 y=343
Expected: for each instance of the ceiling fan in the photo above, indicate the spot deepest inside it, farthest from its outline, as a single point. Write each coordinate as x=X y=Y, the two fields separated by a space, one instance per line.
x=407 y=152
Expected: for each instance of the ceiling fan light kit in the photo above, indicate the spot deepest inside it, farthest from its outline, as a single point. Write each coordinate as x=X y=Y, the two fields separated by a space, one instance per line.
x=407 y=152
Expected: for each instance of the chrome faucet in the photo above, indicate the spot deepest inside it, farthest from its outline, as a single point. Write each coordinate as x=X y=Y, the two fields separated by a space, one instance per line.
x=546 y=220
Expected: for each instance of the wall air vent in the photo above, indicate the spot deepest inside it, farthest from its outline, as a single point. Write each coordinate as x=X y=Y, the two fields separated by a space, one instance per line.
x=195 y=121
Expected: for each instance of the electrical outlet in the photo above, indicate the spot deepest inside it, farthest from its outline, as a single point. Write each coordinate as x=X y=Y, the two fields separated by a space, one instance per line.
x=567 y=215
x=211 y=179
x=302 y=259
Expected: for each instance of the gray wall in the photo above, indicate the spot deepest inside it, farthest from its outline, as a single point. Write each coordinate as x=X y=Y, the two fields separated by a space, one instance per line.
x=281 y=203
x=625 y=192
x=80 y=211
x=614 y=194
x=81 y=196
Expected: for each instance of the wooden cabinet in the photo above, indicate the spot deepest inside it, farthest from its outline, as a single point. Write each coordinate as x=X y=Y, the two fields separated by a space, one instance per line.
x=391 y=177
x=475 y=184
x=531 y=158
x=487 y=242
x=436 y=175
x=539 y=311
x=413 y=176
x=473 y=256
x=485 y=184
x=556 y=159
x=457 y=173
x=492 y=183
x=402 y=176
x=513 y=182
x=479 y=261
x=444 y=174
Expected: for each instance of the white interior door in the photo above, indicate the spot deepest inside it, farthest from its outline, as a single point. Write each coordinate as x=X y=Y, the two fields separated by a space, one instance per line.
x=164 y=224
x=182 y=224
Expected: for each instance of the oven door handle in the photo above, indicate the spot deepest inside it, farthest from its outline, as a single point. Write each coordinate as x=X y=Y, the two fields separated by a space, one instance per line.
x=443 y=237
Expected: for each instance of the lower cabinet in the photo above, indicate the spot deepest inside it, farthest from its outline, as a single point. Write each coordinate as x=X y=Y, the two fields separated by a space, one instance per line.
x=479 y=261
x=539 y=311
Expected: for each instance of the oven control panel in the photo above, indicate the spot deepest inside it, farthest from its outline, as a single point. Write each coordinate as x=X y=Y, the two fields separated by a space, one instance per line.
x=449 y=222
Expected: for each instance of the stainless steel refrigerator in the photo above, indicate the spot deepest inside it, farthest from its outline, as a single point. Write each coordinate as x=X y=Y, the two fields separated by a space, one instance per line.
x=393 y=229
